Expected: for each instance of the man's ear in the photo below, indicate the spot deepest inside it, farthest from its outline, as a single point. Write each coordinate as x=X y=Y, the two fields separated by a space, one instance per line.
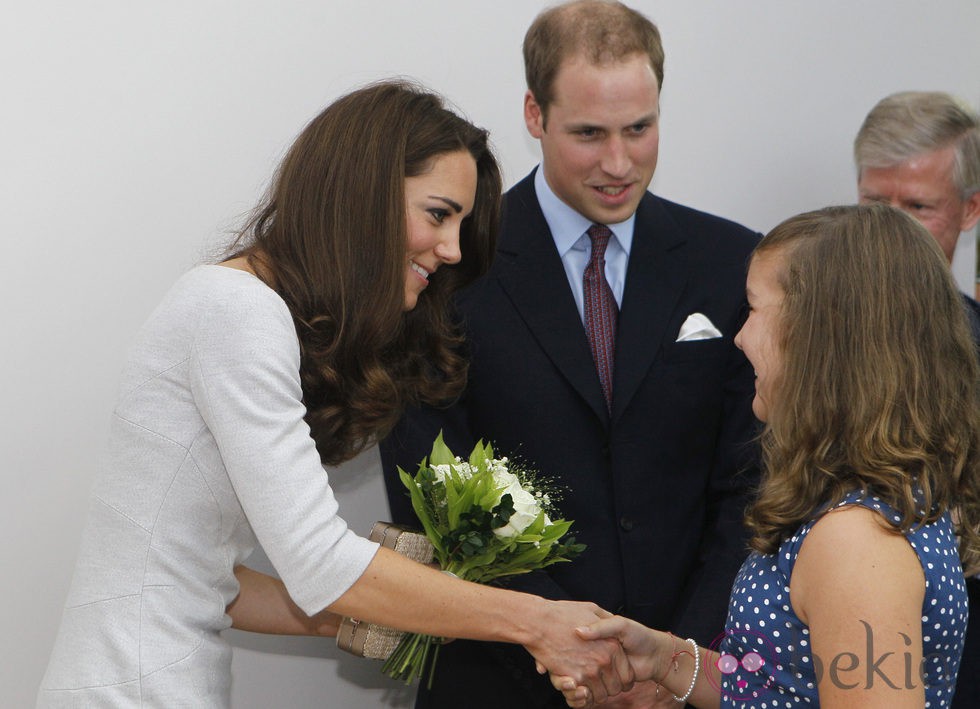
x=533 y=116
x=971 y=212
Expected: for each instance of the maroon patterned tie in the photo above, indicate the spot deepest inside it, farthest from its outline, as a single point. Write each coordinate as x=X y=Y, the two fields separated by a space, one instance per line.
x=600 y=310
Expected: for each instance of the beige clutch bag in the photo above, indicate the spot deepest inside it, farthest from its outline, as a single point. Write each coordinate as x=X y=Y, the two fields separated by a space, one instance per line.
x=378 y=641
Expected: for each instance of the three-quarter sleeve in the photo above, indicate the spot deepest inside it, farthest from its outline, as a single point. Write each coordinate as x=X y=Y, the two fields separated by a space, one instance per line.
x=245 y=381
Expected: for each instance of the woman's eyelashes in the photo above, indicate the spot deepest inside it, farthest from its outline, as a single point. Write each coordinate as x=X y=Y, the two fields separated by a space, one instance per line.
x=439 y=214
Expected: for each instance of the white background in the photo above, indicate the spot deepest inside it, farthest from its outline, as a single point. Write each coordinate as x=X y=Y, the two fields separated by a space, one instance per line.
x=134 y=135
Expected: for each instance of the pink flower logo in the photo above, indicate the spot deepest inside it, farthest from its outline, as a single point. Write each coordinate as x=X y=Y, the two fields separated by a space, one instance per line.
x=747 y=676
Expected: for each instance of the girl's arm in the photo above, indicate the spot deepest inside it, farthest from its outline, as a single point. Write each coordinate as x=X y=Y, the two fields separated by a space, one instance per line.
x=860 y=588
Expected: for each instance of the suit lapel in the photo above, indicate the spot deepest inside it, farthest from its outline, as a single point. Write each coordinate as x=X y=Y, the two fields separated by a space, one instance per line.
x=655 y=278
x=535 y=281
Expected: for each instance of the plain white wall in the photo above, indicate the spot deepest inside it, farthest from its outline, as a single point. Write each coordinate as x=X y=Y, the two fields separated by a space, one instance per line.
x=134 y=135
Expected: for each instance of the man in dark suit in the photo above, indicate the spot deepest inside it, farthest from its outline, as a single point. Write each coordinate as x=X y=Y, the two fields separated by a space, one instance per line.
x=919 y=151
x=610 y=368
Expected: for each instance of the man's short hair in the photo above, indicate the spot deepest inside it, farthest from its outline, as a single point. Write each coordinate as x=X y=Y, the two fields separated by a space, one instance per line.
x=600 y=30
x=909 y=123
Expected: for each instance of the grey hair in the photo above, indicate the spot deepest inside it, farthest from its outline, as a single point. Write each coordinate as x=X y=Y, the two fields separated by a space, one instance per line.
x=910 y=123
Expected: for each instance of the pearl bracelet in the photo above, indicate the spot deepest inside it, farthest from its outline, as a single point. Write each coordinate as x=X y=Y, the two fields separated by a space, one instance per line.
x=694 y=677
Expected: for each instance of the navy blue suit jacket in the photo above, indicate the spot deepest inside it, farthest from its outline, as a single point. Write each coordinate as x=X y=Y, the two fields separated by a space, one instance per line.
x=657 y=487
x=968 y=680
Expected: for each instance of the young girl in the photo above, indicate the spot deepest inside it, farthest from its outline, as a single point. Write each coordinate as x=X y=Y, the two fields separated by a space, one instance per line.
x=866 y=379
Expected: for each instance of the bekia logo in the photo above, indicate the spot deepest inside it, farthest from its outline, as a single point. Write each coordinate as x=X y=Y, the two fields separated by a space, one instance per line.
x=746 y=662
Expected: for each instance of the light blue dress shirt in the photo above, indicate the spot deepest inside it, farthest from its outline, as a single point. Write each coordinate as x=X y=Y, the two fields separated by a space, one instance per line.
x=569 y=229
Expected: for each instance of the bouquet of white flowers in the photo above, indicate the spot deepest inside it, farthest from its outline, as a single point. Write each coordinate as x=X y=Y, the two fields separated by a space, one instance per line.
x=485 y=518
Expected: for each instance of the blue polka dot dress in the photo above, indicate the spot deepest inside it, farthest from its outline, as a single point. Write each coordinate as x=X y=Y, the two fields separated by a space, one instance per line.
x=765 y=659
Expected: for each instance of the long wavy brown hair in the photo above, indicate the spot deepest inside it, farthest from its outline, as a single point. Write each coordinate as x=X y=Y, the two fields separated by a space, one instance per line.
x=330 y=238
x=879 y=383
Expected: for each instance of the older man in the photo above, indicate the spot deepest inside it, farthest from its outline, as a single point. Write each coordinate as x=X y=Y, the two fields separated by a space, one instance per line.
x=920 y=151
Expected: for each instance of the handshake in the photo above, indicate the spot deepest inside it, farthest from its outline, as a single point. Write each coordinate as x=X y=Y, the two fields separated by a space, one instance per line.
x=610 y=655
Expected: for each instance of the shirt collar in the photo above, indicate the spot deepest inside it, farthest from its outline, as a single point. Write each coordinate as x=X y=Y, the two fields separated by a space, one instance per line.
x=568 y=226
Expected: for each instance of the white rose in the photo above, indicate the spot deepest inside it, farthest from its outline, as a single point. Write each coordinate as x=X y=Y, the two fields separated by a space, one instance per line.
x=526 y=509
x=503 y=478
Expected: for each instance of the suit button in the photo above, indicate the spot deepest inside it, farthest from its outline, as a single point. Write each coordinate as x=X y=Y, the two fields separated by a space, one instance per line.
x=626 y=524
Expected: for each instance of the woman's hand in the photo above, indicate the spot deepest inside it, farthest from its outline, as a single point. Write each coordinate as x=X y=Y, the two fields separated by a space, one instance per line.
x=646 y=649
x=644 y=695
x=597 y=664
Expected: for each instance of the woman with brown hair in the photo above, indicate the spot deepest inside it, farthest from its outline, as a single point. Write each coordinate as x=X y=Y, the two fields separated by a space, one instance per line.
x=866 y=379
x=329 y=316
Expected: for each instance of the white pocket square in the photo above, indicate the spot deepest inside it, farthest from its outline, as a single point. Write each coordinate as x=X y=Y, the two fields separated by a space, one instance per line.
x=697 y=327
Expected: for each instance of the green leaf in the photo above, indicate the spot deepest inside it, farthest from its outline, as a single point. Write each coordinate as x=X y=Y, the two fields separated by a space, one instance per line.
x=556 y=529
x=441 y=455
x=537 y=526
x=478 y=456
x=453 y=506
x=464 y=568
x=465 y=500
x=422 y=511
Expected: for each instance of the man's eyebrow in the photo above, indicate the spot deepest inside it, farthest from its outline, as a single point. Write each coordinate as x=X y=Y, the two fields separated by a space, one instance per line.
x=647 y=119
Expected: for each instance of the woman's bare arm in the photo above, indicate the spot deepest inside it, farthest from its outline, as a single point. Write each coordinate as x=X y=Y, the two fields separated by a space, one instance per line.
x=264 y=606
